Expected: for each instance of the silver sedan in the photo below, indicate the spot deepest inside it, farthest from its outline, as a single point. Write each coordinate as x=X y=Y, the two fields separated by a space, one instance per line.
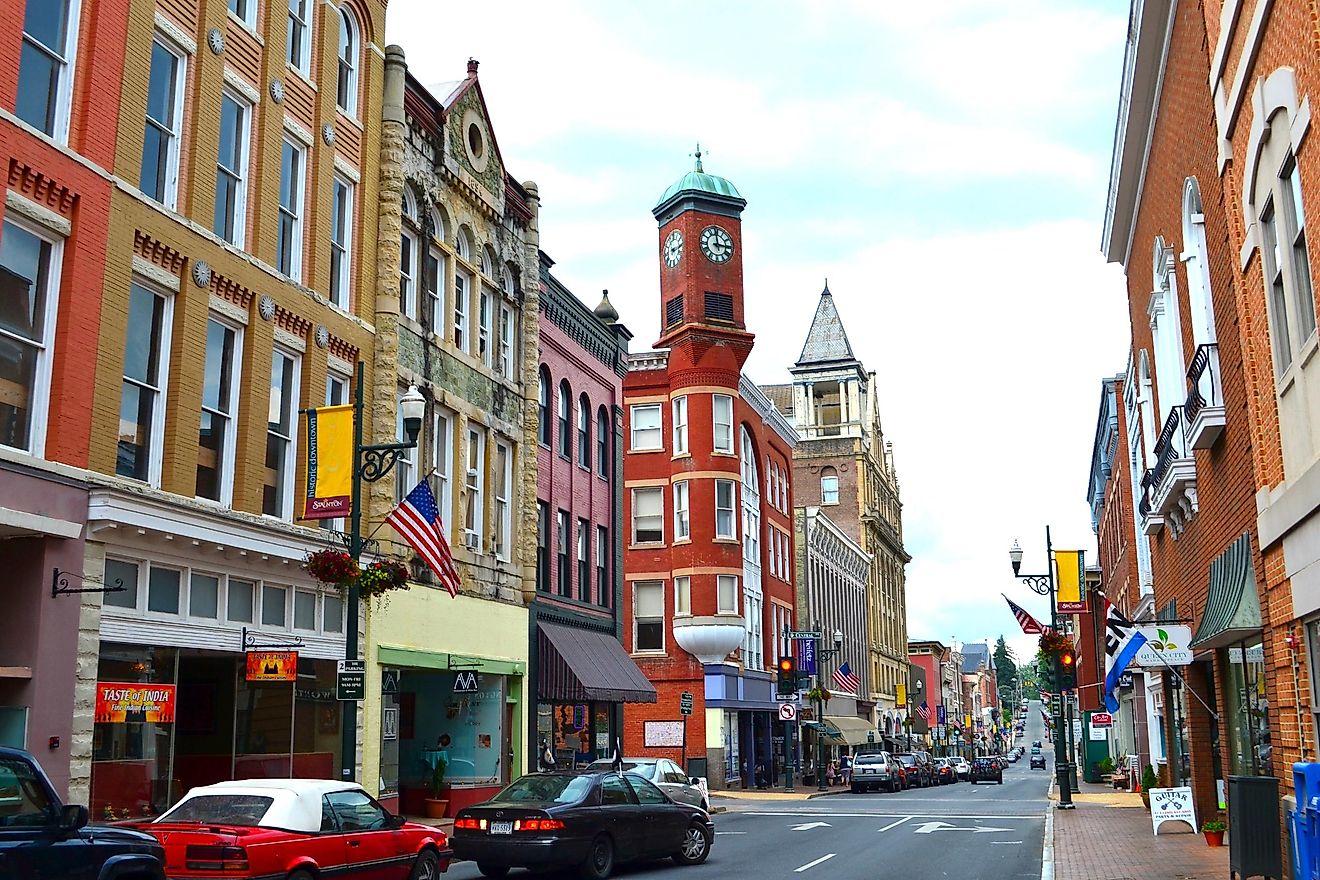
x=667 y=776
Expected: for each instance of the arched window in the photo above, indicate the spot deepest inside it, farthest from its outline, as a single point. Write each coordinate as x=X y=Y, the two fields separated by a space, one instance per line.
x=829 y=485
x=1196 y=258
x=584 y=432
x=439 y=223
x=408 y=255
x=1166 y=333
x=543 y=407
x=603 y=442
x=565 y=405
x=463 y=242
x=753 y=599
x=487 y=262
x=346 y=93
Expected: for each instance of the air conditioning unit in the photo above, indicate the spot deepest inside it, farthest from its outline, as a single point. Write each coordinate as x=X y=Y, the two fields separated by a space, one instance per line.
x=471 y=540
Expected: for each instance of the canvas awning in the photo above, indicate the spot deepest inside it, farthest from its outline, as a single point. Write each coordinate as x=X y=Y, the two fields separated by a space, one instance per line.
x=850 y=729
x=577 y=665
x=1232 y=608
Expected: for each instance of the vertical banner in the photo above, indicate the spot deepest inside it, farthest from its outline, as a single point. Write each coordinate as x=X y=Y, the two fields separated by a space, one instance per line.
x=901 y=696
x=1068 y=565
x=329 y=462
x=806 y=656
x=940 y=717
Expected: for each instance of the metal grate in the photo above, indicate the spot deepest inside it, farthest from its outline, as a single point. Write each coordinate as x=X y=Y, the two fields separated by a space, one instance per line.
x=674 y=311
x=719 y=306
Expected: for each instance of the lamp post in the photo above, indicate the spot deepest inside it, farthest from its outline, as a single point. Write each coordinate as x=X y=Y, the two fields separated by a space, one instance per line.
x=371 y=462
x=1043 y=585
x=823 y=654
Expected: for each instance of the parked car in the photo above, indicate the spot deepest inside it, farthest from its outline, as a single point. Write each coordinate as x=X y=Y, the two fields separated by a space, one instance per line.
x=590 y=820
x=1037 y=760
x=665 y=775
x=987 y=770
x=294 y=828
x=916 y=773
x=961 y=767
x=876 y=770
x=1035 y=744
x=44 y=839
x=944 y=774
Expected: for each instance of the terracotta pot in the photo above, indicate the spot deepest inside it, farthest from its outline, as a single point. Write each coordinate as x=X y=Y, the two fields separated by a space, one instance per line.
x=1214 y=838
x=435 y=808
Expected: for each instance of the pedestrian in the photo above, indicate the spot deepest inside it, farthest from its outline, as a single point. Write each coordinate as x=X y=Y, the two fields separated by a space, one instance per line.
x=845 y=769
x=830 y=772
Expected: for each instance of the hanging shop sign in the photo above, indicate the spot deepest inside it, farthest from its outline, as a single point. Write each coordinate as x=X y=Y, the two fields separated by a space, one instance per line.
x=1166 y=645
x=1070 y=597
x=272 y=665
x=122 y=703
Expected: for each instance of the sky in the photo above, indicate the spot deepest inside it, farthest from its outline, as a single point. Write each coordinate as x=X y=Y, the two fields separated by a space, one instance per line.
x=943 y=164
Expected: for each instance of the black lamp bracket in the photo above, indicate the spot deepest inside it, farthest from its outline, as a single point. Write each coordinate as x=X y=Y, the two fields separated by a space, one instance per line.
x=59 y=584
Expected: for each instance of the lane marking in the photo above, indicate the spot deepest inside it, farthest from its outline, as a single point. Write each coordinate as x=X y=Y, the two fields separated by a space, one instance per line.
x=824 y=858
x=1005 y=842
x=807 y=826
x=932 y=827
x=730 y=832
x=894 y=824
x=1006 y=818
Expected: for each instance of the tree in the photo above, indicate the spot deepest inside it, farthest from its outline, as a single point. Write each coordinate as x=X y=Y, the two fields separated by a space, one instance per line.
x=1006 y=669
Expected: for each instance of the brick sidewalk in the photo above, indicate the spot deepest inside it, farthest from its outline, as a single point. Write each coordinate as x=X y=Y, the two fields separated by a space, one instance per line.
x=1108 y=842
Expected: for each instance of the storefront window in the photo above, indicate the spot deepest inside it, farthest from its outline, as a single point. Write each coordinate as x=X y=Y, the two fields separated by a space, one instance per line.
x=575 y=733
x=1247 y=715
x=131 y=758
x=731 y=754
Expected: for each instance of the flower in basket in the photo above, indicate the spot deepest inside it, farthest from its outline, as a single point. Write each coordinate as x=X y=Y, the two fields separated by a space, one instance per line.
x=819 y=693
x=332 y=567
x=381 y=577
x=1053 y=642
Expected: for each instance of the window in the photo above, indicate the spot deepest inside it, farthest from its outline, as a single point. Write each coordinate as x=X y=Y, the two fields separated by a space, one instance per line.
x=126 y=574
x=724 y=502
x=543 y=407
x=542 y=546
x=584 y=432
x=682 y=523
x=649 y=616
x=682 y=595
x=281 y=428
x=341 y=243
x=204 y=596
x=141 y=409
x=288 y=245
x=723 y=417
x=561 y=545
x=829 y=486
x=407 y=272
x=29 y=284
x=603 y=591
x=462 y=290
x=346 y=85
x=503 y=510
x=485 y=315
x=674 y=311
x=646 y=427
x=442 y=467
x=508 y=339
x=476 y=488
x=433 y=276
x=584 y=560
x=159 y=175
x=332 y=613
x=215 y=453
x=273 y=602
x=163 y=590
x=680 y=425
x=719 y=306
x=299 y=53
x=240 y=606
x=726 y=592
x=304 y=610
x=231 y=171
x=603 y=442
x=565 y=441
x=648 y=516
x=45 y=74
x=245 y=11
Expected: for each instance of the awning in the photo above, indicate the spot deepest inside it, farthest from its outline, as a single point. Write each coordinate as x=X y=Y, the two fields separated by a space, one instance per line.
x=1232 y=608
x=851 y=730
x=576 y=665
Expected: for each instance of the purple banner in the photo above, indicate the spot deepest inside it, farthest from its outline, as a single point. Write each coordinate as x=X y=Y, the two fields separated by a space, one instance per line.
x=939 y=714
x=806 y=656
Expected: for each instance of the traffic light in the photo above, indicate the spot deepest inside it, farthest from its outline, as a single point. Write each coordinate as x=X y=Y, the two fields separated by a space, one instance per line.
x=787 y=676
x=1067 y=669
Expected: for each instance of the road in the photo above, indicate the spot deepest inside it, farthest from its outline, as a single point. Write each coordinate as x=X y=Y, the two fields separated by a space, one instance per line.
x=990 y=832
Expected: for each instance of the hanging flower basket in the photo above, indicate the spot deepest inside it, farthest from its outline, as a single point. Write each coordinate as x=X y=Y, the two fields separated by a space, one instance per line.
x=819 y=693
x=1053 y=643
x=382 y=577
x=333 y=567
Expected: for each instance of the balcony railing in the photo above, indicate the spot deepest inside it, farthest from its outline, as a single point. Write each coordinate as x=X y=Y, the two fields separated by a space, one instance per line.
x=1171 y=445
x=1204 y=409
x=1168 y=490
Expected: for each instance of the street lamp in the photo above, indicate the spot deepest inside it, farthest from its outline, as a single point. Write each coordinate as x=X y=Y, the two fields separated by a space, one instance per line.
x=1043 y=585
x=371 y=462
x=823 y=654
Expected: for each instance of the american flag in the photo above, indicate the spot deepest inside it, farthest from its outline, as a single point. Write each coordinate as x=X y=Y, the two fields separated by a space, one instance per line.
x=924 y=711
x=1030 y=625
x=846 y=680
x=417 y=520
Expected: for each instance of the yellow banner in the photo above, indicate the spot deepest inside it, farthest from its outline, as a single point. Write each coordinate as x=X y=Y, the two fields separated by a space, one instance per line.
x=329 y=462
x=1070 y=598
x=902 y=694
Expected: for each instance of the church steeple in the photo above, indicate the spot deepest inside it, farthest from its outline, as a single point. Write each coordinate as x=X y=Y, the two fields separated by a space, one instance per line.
x=827 y=341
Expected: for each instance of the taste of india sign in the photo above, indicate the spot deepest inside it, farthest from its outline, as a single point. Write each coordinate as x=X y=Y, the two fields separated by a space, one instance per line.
x=120 y=703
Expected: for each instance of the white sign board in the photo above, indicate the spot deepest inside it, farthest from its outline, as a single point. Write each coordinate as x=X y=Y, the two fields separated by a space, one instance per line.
x=1099 y=734
x=664 y=733
x=1172 y=805
x=788 y=711
x=1077 y=730
x=1166 y=645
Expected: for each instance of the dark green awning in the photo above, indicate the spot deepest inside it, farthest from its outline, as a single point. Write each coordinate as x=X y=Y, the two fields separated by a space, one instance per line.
x=1232 y=608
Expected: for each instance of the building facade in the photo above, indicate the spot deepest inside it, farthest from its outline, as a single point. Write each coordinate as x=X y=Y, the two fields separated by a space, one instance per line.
x=707 y=505
x=582 y=673
x=844 y=464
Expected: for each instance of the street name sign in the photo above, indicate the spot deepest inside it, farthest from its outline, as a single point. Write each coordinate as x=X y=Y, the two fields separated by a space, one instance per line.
x=351 y=680
x=685 y=703
x=803 y=634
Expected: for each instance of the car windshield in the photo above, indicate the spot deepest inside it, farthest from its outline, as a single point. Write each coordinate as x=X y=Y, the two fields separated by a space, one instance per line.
x=224 y=809
x=553 y=788
x=23 y=799
x=870 y=759
x=907 y=760
x=642 y=768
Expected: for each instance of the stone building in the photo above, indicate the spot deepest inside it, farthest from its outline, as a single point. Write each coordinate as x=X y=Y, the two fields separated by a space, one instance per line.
x=843 y=464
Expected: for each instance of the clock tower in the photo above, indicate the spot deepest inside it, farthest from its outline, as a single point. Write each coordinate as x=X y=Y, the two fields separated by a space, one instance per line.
x=701 y=272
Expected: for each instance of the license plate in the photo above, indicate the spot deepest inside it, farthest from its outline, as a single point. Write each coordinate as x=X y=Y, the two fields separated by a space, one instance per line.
x=501 y=827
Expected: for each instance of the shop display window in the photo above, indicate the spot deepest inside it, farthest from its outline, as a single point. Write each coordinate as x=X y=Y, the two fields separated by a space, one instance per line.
x=1247 y=715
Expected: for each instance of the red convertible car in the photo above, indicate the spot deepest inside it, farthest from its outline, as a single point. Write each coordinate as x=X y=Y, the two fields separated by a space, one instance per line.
x=297 y=829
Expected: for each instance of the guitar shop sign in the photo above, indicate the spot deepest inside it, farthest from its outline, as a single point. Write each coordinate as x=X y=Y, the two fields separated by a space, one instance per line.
x=1171 y=805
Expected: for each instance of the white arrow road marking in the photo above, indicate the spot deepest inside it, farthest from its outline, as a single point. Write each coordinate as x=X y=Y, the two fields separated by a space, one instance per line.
x=730 y=832
x=894 y=824
x=824 y=858
x=932 y=827
x=807 y=826
x=1006 y=842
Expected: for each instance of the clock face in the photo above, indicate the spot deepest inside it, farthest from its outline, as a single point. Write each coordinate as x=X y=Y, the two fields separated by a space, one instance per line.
x=716 y=244
x=673 y=248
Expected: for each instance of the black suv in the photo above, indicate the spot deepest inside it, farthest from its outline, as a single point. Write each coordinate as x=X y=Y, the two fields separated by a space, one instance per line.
x=43 y=839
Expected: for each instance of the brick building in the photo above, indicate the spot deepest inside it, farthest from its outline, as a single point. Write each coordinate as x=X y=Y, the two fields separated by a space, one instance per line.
x=709 y=563
x=943 y=673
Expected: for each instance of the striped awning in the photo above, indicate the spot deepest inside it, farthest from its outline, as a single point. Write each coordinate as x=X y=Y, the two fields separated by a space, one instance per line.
x=853 y=731
x=1232 y=608
x=578 y=665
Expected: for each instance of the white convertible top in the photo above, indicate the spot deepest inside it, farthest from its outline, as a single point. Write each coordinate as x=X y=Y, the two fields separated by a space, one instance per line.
x=295 y=803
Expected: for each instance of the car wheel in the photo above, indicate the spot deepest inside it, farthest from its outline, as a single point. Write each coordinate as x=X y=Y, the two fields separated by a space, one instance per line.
x=427 y=866
x=600 y=860
x=696 y=845
x=492 y=870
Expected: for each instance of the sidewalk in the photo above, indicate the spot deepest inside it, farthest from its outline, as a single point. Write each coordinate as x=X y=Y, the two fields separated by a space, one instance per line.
x=1108 y=837
x=803 y=793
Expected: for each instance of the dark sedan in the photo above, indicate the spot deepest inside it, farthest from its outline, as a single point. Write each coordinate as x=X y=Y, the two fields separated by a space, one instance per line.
x=590 y=821
x=987 y=770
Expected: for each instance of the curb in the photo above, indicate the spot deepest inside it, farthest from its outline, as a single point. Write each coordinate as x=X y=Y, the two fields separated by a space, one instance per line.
x=1047 y=848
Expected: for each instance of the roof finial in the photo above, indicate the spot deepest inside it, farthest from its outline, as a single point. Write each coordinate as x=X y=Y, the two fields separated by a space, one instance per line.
x=472 y=66
x=826 y=291
x=697 y=167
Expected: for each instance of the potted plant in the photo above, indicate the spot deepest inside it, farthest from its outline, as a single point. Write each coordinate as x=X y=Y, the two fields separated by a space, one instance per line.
x=436 y=805
x=1148 y=781
x=818 y=694
x=1214 y=832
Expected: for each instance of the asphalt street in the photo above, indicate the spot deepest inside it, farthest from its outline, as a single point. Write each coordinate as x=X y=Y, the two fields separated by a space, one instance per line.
x=986 y=831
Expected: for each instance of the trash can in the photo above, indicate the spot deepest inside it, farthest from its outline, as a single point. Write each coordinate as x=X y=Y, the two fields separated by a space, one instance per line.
x=1304 y=826
x=1254 y=835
